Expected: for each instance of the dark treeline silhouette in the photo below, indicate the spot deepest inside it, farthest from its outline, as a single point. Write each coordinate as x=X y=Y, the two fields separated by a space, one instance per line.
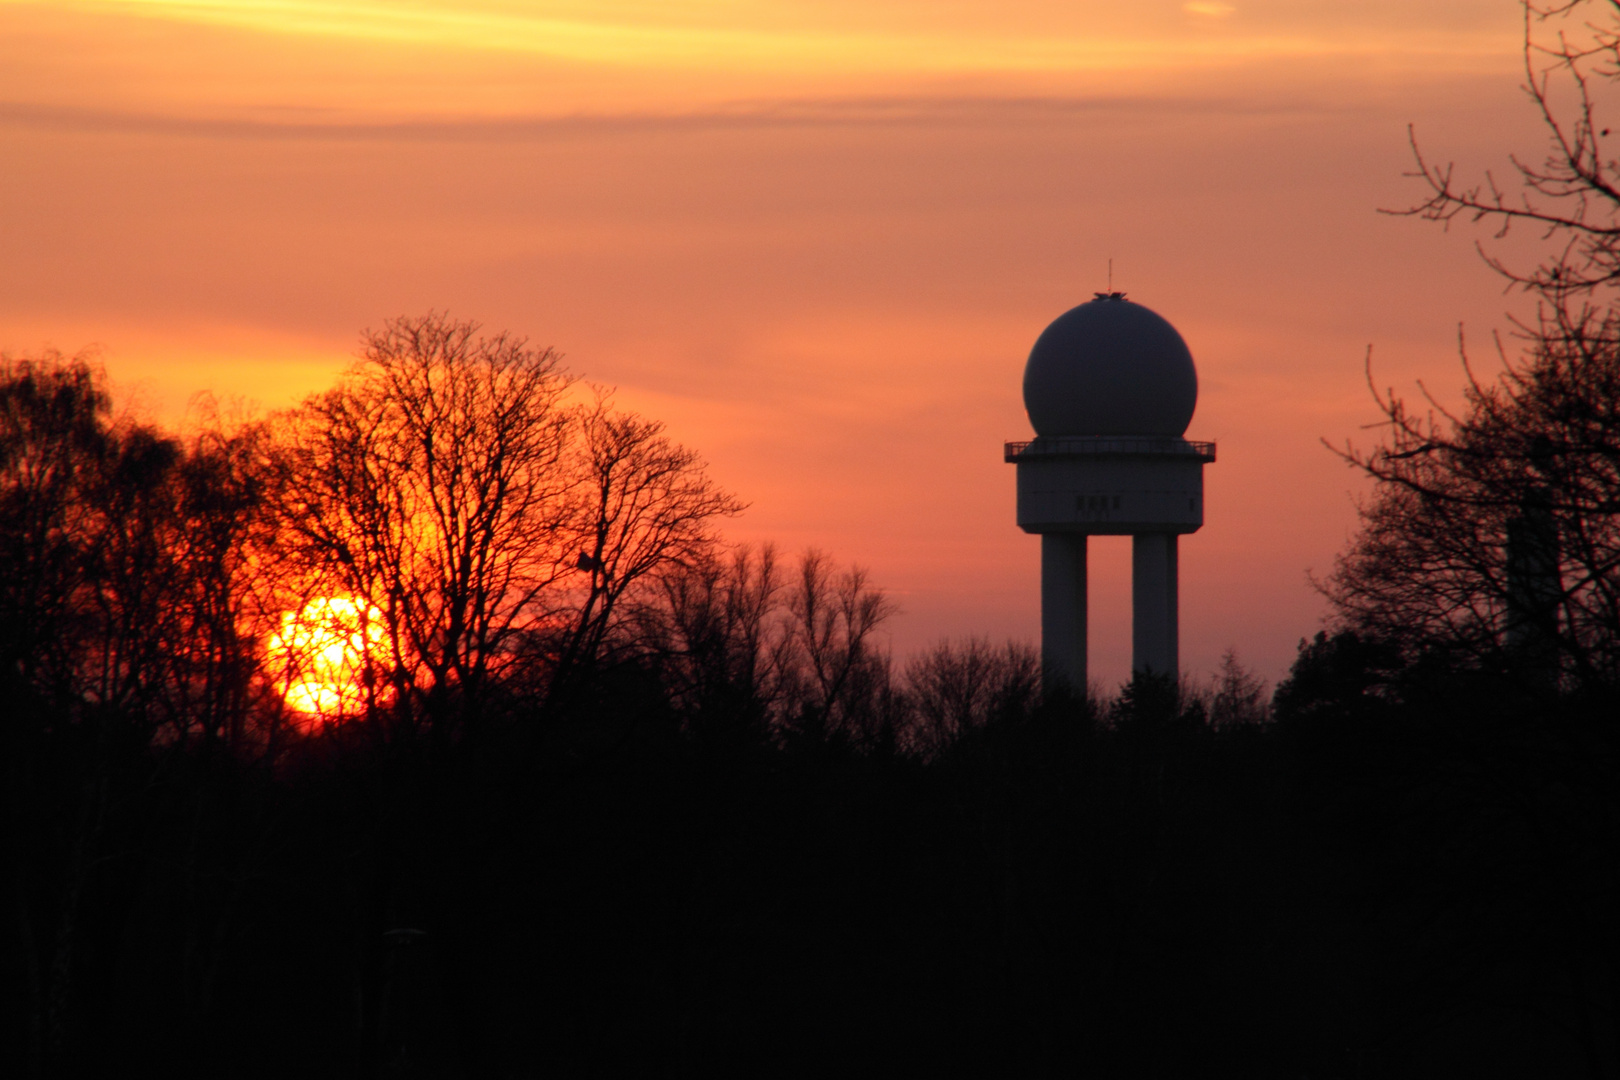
x=592 y=793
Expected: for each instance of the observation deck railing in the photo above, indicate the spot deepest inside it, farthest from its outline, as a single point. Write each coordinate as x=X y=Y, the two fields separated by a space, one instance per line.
x=1110 y=445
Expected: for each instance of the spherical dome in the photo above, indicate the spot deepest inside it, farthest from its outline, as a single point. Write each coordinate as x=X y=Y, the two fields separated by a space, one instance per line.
x=1110 y=367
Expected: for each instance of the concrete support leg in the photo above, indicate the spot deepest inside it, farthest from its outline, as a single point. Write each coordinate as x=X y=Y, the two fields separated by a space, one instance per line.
x=1063 y=610
x=1154 y=633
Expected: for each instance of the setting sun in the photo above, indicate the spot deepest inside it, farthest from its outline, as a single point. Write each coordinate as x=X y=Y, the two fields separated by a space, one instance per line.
x=327 y=651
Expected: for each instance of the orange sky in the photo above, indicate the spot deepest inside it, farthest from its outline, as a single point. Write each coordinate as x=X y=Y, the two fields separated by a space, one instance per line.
x=816 y=236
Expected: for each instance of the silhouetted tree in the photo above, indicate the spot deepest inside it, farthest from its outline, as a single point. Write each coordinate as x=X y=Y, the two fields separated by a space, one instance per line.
x=841 y=680
x=431 y=485
x=715 y=627
x=953 y=689
x=646 y=509
x=1573 y=194
x=1493 y=534
x=1504 y=515
x=742 y=645
x=1462 y=715
x=125 y=646
x=485 y=523
x=55 y=440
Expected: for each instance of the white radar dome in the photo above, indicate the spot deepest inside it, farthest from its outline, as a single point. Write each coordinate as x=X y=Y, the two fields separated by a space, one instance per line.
x=1110 y=367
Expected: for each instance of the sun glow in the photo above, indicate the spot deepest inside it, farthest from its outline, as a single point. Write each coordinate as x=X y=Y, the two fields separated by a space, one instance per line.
x=329 y=652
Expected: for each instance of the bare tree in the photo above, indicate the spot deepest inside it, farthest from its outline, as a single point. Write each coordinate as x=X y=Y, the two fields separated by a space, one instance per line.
x=122 y=644
x=124 y=550
x=644 y=507
x=1494 y=532
x=955 y=688
x=1572 y=195
x=746 y=650
x=431 y=484
x=483 y=521
x=55 y=436
x=715 y=627
x=1504 y=513
x=841 y=678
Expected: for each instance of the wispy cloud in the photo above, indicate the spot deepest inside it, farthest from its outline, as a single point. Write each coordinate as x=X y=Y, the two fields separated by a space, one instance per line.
x=913 y=111
x=1208 y=8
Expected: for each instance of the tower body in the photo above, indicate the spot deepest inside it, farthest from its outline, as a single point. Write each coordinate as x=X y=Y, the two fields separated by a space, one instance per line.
x=1110 y=387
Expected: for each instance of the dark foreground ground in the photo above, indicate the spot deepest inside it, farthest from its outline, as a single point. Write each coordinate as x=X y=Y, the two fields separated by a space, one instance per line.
x=1410 y=880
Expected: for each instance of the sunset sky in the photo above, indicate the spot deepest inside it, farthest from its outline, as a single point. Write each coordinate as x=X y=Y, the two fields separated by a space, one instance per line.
x=816 y=237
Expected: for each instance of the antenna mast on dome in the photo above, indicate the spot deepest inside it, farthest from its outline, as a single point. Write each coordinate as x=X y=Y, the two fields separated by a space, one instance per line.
x=1110 y=294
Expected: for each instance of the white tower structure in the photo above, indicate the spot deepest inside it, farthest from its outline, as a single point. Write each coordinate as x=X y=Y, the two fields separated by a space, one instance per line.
x=1110 y=388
